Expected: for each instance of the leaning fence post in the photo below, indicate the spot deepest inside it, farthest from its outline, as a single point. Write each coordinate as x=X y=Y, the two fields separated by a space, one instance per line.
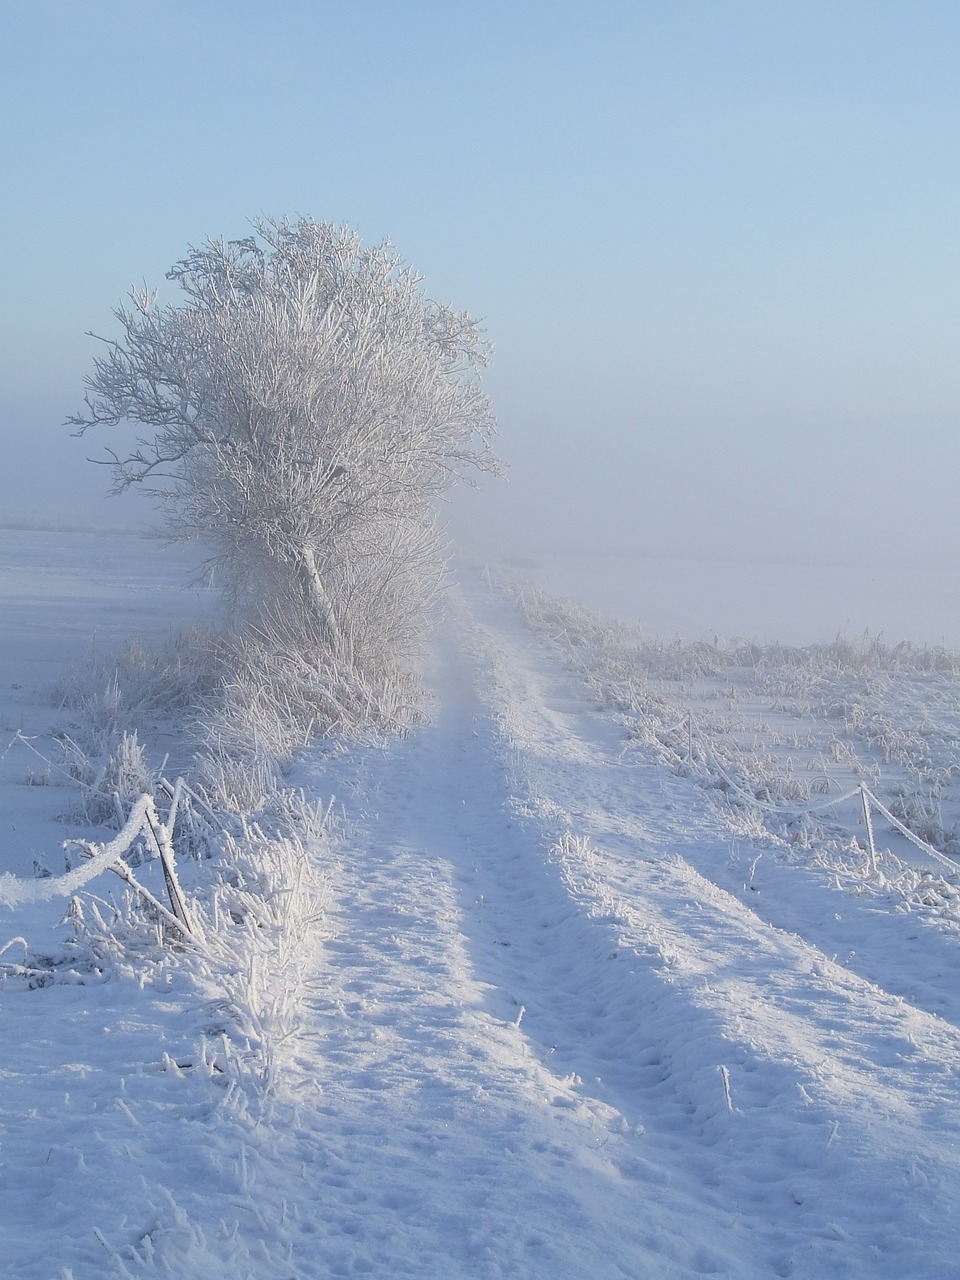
x=868 y=820
x=161 y=840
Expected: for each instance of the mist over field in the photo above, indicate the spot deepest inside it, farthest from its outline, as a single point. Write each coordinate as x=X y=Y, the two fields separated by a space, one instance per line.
x=713 y=247
x=775 y=533
x=781 y=532
x=575 y=896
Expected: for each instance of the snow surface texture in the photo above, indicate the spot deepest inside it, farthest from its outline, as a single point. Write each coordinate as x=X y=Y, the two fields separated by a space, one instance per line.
x=564 y=1014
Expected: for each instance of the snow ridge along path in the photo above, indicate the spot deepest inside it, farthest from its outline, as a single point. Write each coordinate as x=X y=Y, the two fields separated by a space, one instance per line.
x=550 y=1032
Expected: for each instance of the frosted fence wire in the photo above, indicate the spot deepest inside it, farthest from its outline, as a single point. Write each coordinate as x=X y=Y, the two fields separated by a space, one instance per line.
x=910 y=835
x=804 y=810
x=16 y=892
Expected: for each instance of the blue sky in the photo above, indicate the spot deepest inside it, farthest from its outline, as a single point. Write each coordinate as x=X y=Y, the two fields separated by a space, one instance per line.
x=715 y=244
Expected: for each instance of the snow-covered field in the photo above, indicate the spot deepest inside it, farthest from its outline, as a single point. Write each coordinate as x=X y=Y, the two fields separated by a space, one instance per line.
x=574 y=1003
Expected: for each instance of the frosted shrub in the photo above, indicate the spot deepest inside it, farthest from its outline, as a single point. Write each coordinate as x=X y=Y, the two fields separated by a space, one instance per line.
x=125 y=777
x=274 y=699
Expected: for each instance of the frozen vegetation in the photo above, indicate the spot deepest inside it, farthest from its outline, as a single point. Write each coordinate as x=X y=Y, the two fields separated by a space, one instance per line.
x=593 y=971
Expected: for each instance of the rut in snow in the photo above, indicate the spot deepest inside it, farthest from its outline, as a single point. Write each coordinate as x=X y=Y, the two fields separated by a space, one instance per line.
x=560 y=1019
x=521 y=918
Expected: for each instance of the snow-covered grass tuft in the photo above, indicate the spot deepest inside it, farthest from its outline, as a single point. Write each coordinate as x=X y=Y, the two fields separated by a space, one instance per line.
x=255 y=886
x=260 y=925
x=252 y=853
x=117 y=691
x=111 y=783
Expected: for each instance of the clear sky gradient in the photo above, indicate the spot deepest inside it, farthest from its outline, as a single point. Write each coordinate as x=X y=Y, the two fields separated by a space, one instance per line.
x=714 y=242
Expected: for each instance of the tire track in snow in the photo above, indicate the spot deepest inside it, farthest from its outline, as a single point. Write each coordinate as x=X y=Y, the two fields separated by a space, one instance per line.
x=692 y=1006
x=525 y=1055
x=435 y=1140
x=915 y=956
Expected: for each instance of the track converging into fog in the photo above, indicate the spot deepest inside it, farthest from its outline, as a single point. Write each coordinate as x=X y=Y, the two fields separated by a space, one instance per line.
x=567 y=1048
x=562 y=1014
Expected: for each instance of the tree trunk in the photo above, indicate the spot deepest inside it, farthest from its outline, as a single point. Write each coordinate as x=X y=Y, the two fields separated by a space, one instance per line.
x=317 y=600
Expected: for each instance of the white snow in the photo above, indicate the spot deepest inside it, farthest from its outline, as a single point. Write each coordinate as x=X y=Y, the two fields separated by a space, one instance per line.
x=565 y=1011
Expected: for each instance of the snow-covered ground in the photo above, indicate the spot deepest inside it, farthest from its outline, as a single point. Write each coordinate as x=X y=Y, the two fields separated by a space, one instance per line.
x=64 y=598
x=567 y=1011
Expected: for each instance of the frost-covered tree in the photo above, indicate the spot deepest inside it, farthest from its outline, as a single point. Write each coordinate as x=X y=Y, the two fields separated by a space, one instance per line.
x=307 y=404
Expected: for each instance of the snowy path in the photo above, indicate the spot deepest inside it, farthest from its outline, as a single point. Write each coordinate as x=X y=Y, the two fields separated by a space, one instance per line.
x=458 y=1151
x=590 y=1039
x=552 y=1031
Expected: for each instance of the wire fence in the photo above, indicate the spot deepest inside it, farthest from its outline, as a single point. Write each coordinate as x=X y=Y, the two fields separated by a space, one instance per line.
x=696 y=741
x=144 y=823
